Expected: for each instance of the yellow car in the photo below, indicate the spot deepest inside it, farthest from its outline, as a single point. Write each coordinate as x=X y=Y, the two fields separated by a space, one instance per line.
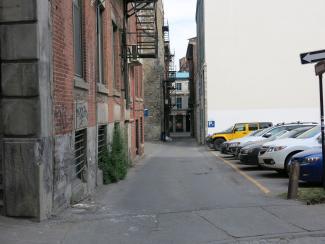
x=237 y=131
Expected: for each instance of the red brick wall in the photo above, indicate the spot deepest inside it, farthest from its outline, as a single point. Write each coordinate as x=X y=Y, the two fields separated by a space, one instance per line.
x=63 y=73
x=63 y=64
x=64 y=91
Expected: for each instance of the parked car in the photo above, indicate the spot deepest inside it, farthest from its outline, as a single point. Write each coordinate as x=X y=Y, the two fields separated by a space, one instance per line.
x=236 y=145
x=311 y=165
x=224 y=148
x=277 y=154
x=249 y=152
x=237 y=131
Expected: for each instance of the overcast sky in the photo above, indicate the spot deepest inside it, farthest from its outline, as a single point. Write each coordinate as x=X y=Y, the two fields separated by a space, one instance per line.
x=181 y=18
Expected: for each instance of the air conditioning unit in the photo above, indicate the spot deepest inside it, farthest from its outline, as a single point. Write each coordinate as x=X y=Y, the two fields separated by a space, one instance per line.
x=134 y=59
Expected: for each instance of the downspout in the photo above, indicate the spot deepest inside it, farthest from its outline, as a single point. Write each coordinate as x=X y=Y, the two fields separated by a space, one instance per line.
x=96 y=87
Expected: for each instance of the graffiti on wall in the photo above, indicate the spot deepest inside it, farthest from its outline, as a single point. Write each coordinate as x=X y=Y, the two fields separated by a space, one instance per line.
x=81 y=115
x=61 y=117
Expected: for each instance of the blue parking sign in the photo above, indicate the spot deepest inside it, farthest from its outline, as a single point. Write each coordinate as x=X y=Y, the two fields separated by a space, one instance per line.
x=211 y=124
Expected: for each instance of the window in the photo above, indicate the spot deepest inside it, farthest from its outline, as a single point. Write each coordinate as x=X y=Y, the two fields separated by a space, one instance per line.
x=178 y=86
x=77 y=37
x=240 y=127
x=114 y=53
x=310 y=133
x=101 y=56
x=179 y=103
x=80 y=153
x=265 y=125
x=102 y=142
x=252 y=127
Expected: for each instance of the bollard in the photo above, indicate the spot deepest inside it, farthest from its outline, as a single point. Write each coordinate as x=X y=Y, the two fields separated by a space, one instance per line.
x=293 y=181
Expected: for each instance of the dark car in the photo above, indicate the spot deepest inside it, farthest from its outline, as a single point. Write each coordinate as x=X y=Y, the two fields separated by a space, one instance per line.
x=249 y=153
x=311 y=165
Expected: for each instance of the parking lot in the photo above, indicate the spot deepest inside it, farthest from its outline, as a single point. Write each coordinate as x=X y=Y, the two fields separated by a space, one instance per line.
x=268 y=181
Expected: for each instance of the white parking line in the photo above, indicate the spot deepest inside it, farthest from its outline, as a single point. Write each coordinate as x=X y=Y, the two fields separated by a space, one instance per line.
x=262 y=188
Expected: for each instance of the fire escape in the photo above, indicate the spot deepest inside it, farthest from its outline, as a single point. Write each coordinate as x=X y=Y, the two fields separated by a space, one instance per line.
x=170 y=77
x=146 y=28
x=146 y=32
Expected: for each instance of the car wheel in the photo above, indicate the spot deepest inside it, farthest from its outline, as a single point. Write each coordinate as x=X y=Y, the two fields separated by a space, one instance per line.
x=286 y=163
x=217 y=143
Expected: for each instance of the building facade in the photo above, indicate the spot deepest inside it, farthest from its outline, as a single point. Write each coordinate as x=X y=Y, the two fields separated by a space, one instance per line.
x=154 y=73
x=196 y=100
x=71 y=72
x=248 y=55
x=180 y=116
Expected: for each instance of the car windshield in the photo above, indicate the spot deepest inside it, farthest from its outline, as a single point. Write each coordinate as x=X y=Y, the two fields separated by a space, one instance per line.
x=256 y=133
x=310 y=133
x=274 y=131
x=280 y=134
x=229 y=130
x=295 y=133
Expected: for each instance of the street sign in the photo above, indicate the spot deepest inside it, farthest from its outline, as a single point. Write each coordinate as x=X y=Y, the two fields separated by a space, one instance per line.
x=146 y=113
x=211 y=124
x=312 y=57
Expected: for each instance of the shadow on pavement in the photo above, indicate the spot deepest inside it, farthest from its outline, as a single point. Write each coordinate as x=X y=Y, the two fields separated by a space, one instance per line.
x=275 y=175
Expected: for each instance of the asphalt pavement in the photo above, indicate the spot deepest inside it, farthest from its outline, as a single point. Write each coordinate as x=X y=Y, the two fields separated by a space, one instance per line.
x=180 y=193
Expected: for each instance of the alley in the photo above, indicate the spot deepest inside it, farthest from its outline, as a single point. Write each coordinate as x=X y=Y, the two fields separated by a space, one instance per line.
x=178 y=193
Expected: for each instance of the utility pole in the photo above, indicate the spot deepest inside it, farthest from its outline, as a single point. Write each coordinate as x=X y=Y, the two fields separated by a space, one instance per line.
x=320 y=69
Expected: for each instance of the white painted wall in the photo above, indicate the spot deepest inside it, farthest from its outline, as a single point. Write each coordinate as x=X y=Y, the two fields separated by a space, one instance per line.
x=253 y=65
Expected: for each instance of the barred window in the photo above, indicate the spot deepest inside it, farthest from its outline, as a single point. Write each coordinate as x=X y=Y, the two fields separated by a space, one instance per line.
x=80 y=153
x=102 y=142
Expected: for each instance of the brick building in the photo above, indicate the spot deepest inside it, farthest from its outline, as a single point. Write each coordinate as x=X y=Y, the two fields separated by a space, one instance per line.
x=71 y=71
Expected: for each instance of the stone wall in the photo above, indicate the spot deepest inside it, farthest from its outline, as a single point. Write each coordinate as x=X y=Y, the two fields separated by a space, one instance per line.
x=26 y=116
x=153 y=78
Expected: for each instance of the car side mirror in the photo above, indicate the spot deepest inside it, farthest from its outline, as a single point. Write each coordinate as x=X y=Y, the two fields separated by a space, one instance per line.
x=319 y=139
x=267 y=135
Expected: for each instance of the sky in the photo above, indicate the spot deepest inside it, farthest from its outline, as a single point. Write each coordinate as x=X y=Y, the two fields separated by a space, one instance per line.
x=182 y=26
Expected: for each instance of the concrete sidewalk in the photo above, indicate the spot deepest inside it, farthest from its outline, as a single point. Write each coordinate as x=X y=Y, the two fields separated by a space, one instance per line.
x=179 y=193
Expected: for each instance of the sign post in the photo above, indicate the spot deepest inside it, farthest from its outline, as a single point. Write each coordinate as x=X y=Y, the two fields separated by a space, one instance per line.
x=320 y=70
x=313 y=57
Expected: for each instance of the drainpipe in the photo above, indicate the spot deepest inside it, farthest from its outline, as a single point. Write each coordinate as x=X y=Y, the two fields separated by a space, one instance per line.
x=96 y=88
x=125 y=55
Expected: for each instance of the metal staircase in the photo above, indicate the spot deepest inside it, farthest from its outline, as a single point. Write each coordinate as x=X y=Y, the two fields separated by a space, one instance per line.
x=146 y=28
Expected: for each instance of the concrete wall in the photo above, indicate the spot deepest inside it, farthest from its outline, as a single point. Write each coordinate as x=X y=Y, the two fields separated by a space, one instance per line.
x=26 y=107
x=253 y=66
x=201 y=87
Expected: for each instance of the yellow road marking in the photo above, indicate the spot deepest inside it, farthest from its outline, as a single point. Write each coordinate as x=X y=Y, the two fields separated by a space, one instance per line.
x=249 y=178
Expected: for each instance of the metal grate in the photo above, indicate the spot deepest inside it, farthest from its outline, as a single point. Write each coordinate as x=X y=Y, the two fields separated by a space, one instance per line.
x=80 y=152
x=102 y=142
